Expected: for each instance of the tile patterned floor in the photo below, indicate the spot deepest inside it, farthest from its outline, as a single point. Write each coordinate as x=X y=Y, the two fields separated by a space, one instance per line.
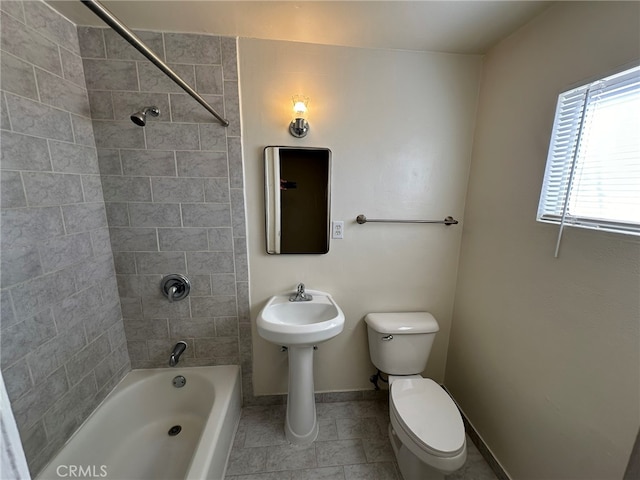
x=352 y=444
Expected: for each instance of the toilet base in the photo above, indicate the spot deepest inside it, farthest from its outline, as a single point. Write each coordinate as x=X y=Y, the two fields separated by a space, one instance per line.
x=411 y=467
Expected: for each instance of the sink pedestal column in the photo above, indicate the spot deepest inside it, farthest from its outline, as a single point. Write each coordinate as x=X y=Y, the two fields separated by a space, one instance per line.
x=301 y=426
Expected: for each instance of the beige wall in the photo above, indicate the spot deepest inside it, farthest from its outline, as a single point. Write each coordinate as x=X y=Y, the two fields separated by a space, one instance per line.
x=400 y=127
x=544 y=352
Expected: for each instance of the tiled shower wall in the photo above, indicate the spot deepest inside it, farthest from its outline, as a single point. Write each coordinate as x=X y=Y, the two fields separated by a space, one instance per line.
x=63 y=345
x=173 y=192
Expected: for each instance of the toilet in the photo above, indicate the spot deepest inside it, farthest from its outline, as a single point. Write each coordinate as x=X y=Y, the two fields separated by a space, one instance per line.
x=426 y=429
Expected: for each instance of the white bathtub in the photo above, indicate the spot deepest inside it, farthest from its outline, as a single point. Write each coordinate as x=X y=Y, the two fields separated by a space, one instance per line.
x=127 y=437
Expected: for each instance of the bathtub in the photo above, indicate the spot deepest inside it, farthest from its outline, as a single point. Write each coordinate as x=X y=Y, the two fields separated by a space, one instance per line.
x=148 y=429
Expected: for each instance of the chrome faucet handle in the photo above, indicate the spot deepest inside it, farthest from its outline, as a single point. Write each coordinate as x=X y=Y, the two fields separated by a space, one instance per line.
x=300 y=295
x=171 y=292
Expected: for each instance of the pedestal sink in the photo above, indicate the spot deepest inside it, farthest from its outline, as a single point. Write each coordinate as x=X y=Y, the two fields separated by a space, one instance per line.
x=299 y=326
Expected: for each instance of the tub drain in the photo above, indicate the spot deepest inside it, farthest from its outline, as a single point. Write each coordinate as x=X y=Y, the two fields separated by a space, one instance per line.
x=175 y=430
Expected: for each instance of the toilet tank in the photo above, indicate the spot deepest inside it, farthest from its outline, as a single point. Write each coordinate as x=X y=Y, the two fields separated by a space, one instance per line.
x=400 y=343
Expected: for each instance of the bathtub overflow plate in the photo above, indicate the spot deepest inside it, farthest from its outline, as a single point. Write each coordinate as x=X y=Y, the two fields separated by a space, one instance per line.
x=179 y=381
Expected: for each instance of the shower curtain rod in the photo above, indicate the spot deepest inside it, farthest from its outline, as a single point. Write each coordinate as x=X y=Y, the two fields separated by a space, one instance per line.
x=139 y=45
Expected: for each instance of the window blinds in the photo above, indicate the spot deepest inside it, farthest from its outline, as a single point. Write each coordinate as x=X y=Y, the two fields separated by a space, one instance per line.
x=592 y=178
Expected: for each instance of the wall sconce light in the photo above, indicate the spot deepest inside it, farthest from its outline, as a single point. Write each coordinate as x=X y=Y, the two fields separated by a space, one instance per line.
x=299 y=127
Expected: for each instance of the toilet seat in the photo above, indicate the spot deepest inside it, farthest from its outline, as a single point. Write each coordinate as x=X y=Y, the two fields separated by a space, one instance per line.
x=424 y=414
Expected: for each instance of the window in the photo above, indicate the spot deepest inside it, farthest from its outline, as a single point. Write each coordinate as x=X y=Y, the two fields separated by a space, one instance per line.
x=592 y=178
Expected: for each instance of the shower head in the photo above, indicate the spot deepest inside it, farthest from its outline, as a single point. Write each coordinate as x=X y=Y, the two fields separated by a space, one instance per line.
x=140 y=118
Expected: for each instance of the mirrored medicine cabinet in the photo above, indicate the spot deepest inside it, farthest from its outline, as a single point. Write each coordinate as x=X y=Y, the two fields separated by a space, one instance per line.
x=297 y=199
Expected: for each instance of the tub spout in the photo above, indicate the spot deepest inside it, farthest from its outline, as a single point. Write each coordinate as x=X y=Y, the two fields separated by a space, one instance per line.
x=177 y=351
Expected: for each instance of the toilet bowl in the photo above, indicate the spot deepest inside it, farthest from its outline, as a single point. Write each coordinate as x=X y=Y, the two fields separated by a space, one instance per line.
x=426 y=429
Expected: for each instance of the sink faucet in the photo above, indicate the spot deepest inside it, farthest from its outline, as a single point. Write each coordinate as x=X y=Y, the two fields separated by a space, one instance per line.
x=300 y=295
x=177 y=351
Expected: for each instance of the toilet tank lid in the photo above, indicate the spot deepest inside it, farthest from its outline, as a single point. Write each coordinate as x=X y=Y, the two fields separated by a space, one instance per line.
x=402 y=322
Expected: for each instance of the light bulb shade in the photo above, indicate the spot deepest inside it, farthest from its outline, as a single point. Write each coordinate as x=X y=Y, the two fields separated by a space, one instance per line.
x=299 y=127
x=300 y=106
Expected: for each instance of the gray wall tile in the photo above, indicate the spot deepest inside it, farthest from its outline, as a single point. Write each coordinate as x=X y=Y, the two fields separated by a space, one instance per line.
x=26 y=226
x=92 y=188
x=54 y=353
x=177 y=189
x=31 y=407
x=206 y=215
x=61 y=93
x=117 y=214
x=87 y=358
x=13 y=8
x=216 y=190
x=17 y=76
x=51 y=25
x=29 y=45
x=101 y=105
x=11 y=190
x=109 y=161
x=17 y=380
x=161 y=262
x=124 y=262
x=177 y=136
x=63 y=251
x=185 y=109
x=101 y=241
x=154 y=214
x=110 y=75
x=120 y=49
x=83 y=130
x=95 y=270
x=72 y=158
x=5 y=123
x=221 y=239
x=40 y=120
x=183 y=239
x=236 y=175
x=133 y=239
x=191 y=48
x=209 y=79
x=192 y=327
x=144 y=329
x=229 y=57
x=84 y=217
x=202 y=164
x=24 y=152
x=39 y=293
x=126 y=189
x=223 y=284
x=52 y=188
x=213 y=136
x=21 y=338
x=19 y=264
x=217 y=306
x=149 y=163
x=72 y=68
x=153 y=80
x=91 y=41
x=152 y=308
x=210 y=262
x=118 y=134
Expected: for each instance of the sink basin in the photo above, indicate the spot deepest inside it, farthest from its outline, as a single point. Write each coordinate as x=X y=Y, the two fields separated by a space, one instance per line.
x=300 y=323
x=300 y=326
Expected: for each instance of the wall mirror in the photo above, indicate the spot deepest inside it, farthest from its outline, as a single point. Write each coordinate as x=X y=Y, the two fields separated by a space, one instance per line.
x=297 y=199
